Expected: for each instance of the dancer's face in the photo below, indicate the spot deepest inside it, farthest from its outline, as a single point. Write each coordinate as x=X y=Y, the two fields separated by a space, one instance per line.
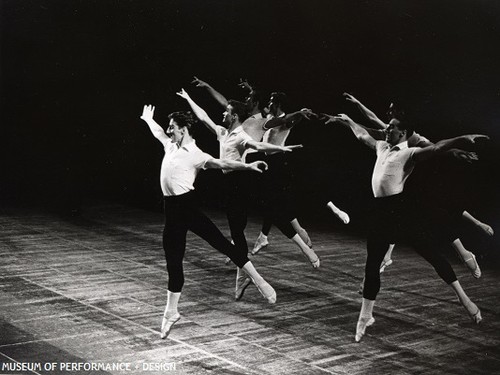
x=175 y=132
x=393 y=134
x=227 y=117
x=250 y=103
x=273 y=106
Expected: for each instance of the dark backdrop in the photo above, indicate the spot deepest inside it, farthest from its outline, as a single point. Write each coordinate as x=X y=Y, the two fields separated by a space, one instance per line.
x=76 y=73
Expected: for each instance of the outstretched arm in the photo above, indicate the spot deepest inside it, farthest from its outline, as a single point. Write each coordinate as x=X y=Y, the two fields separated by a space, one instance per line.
x=156 y=129
x=457 y=153
x=369 y=114
x=359 y=131
x=377 y=134
x=444 y=145
x=257 y=166
x=268 y=147
x=217 y=95
x=198 y=111
x=291 y=119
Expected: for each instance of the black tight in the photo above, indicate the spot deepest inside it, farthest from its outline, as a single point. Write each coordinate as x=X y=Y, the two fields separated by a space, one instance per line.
x=277 y=196
x=182 y=214
x=390 y=223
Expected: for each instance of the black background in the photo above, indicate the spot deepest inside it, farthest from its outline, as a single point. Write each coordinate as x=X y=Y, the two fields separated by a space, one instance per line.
x=75 y=75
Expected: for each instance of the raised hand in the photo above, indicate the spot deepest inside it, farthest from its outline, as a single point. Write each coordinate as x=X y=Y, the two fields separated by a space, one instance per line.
x=350 y=98
x=244 y=84
x=258 y=166
x=199 y=82
x=183 y=94
x=148 y=112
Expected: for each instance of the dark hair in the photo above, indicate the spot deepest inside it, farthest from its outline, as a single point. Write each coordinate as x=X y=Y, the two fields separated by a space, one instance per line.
x=183 y=119
x=396 y=110
x=239 y=109
x=279 y=99
x=258 y=96
x=405 y=125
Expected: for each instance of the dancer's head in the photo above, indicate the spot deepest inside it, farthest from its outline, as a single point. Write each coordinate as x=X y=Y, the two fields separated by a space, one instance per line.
x=277 y=102
x=397 y=111
x=255 y=101
x=179 y=125
x=398 y=131
x=235 y=112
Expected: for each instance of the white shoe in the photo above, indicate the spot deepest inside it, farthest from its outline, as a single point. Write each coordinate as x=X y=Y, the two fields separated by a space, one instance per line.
x=342 y=216
x=261 y=243
x=167 y=323
x=385 y=263
x=267 y=291
x=361 y=327
x=473 y=266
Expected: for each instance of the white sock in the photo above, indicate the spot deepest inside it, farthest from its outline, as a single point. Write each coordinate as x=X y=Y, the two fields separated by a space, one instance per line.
x=311 y=255
x=252 y=272
x=388 y=254
x=366 y=309
x=172 y=302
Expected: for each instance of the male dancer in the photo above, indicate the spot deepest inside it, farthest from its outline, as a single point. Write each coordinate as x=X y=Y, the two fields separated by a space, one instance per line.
x=417 y=140
x=254 y=126
x=181 y=163
x=234 y=141
x=395 y=162
x=279 y=200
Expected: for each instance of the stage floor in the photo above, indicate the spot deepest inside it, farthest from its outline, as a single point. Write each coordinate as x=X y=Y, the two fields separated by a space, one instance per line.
x=93 y=289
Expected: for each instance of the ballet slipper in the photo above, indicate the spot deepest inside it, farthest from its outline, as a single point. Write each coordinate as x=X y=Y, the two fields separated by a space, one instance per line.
x=385 y=263
x=363 y=323
x=476 y=318
x=473 y=266
x=167 y=324
x=315 y=264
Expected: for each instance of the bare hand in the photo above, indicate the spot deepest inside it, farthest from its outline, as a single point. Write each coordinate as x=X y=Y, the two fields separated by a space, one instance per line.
x=244 y=84
x=307 y=113
x=473 y=137
x=342 y=117
x=328 y=119
x=199 y=82
x=350 y=98
x=148 y=112
x=183 y=94
x=258 y=166
x=467 y=156
x=290 y=148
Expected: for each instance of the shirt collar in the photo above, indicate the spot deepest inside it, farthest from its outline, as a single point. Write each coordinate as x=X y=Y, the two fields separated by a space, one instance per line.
x=236 y=130
x=191 y=146
x=399 y=146
x=257 y=116
x=270 y=116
